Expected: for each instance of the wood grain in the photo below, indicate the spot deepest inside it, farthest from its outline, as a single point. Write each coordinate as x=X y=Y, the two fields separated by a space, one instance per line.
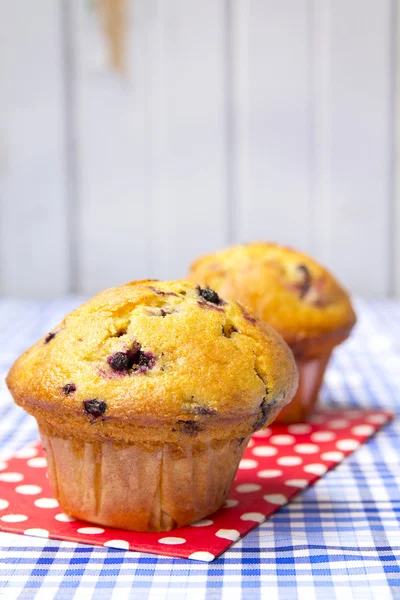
x=33 y=211
x=353 y=141
x=272 y=69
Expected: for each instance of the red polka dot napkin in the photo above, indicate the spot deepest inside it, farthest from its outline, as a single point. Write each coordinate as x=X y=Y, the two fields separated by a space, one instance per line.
x=279 y=462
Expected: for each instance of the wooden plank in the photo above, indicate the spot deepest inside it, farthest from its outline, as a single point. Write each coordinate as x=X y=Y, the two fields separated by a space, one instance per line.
x=114 y=223
x=187 y=132
x=151 y=142
x=396 y=163
x=353 y=72
x=33 y=215
x=272 y=120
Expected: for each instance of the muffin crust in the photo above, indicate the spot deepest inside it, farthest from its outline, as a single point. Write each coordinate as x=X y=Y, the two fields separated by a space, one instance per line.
x=288 y=289
x=155 y=362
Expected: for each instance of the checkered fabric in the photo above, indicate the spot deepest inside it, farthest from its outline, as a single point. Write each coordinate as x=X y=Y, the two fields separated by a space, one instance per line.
x=337 y=540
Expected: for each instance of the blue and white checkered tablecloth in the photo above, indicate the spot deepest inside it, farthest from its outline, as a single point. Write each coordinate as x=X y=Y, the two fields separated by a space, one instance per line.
x=337 y=540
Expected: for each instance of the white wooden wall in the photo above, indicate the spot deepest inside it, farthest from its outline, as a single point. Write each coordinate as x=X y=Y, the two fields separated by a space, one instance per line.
x=234 y=120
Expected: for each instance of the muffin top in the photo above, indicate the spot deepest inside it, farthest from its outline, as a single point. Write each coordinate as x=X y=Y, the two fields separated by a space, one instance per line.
x=155 y=361
x=286 y=288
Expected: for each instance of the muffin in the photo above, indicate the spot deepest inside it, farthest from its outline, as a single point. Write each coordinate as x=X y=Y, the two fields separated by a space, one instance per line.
x=296 y=296
x=146 y=398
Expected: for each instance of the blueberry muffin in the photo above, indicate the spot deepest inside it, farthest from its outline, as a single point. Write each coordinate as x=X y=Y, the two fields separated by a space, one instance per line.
x=146 y=397
x=292 y=293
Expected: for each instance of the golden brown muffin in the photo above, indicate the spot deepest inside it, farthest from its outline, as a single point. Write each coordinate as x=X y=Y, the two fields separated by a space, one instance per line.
x=292 y=293
x=146 y=397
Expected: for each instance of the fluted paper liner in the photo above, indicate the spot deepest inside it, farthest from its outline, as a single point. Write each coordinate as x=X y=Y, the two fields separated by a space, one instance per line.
x=139 y=489
x=311 y=375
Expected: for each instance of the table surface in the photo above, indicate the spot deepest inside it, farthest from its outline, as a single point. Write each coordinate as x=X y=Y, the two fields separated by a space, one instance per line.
x=338 y=539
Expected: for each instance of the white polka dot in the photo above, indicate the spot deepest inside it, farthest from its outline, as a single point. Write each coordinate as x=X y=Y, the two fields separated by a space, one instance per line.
x=26 y=452
x=347 y=444
x=250 y=443
x=262 y=433
x=202 y=523
x=316 y=419
x=37 y=532
x=299 y=428
x=248 y=463
x=253 y=516
x=120 y=544
x=323 y=436
x=63 y=518
x=228 y=534
x=282 y=440
x=264 y=451
x=37 y=462
x=363 y=430
x=28 y=490
x=378 y=419
x=316 y=469
x=4 y=504
x=300 y=483
x=333 y=456
x=306 y=448
x=202 y=555
x=278 y=499
x=13 y=518
x=230 y=503
x=245 y=488
x=172 y=541
x=11 y=477
x=90 y=530
x=289 y=461
x=338 y=423
x=46 y=503
x=269 y=473
x=3 y=465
